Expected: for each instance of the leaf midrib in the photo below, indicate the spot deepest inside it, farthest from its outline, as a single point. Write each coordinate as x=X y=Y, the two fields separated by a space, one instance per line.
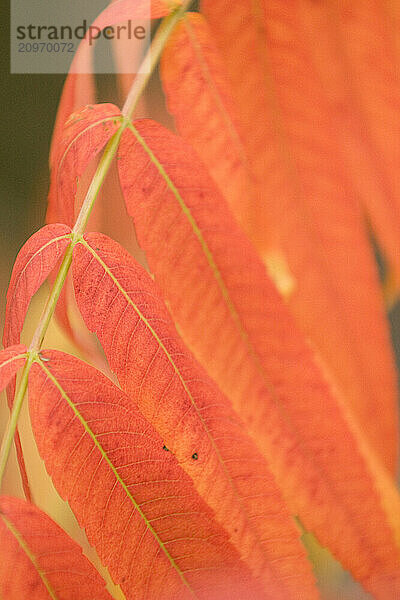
x=232 y=309
x=212 y=264
x=106 y=458
x=25 y=547
x=181 y=379
x=10 y=360
x=34 y=255
x=214 y=91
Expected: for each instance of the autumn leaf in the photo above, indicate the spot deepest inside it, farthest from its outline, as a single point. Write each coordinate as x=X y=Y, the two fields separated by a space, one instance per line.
x=138 y=507
x=79 y=88
x=120 y=303
x=307 y=215
x=199 y=96
x=11 y=360
x=38 y=560
x=33 y=265
x=83 y=137
x=355 y=49
x=80 y=142
x=229 y=313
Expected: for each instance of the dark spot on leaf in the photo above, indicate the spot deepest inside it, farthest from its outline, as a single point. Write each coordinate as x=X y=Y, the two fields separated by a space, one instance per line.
x=195 y=456
x=165 y=448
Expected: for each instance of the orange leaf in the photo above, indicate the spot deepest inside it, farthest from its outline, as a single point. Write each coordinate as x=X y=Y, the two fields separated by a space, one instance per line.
x=200 y=98
x=83 y=137
x=229 y=313
x=11 y=360
x=354 y=46
x=78 y=91
x=138 y=507
x=39 y=561
x=120 y=303
x=33 y=265
x=80 y=141
x=79 y=88
x=308 y=209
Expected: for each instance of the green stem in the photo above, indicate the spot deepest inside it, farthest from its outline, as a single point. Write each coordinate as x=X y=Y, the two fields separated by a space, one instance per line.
x=138 y=86
x=152 y=56
x=13 y=420
x=51 y=303
x=97 y=181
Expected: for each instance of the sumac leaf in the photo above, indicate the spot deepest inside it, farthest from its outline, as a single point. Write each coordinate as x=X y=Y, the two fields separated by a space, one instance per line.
x=39 y=561
x=138 y=507
x=121 y=304
x=79 y=87
x=308 y=209
x=199 y=97
x=34 y=263
x=230 y=314
x=355 y=49
x=32 y=267
x=11 y=360
x=82 y=138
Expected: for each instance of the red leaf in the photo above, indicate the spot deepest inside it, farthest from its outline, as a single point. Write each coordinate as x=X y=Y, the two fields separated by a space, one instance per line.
x=231 y=316
x=79 y=90
x=38 y=560
x=200 y=98
x=79 y=86
x=11 y=360
x=138 y=507
x=120 y=303
x=308 y=209
x=34 y=263
x=83 y=137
